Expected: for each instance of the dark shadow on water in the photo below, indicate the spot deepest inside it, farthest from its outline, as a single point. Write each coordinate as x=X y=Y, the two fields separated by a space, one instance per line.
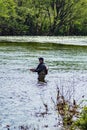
x=42 y=84
x=42 y=46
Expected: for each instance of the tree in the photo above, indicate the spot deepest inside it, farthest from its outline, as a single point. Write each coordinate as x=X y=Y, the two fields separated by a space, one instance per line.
x=43 y=17
x=7 y=11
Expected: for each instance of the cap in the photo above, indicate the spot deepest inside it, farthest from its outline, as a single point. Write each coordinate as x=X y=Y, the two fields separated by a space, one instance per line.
x=41 y=58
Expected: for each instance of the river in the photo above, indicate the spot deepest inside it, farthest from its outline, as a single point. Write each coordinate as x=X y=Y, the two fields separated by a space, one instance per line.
x=21 y=96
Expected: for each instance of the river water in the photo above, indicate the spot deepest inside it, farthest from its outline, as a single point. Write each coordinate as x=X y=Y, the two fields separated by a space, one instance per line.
x=21 y=96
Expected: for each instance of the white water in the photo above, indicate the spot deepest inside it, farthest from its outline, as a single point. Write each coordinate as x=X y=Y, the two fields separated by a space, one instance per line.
x=81 y=41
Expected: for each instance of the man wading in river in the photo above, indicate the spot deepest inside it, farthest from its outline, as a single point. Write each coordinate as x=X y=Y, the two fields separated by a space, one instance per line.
x=41 y=70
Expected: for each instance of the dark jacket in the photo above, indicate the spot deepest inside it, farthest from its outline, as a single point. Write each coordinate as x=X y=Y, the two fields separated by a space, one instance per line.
x=41 y=67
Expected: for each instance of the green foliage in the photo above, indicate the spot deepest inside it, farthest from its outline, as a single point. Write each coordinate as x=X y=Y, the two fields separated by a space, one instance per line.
x=7 y=8
x=82 y=121
x=43 y=17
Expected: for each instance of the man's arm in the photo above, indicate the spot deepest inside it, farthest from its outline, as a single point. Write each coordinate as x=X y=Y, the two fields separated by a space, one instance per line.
x=37 y=69
x=33 y=70
x=40 y=68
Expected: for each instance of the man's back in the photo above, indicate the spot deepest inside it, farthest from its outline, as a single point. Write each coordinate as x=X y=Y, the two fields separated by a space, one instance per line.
x=41 y=67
